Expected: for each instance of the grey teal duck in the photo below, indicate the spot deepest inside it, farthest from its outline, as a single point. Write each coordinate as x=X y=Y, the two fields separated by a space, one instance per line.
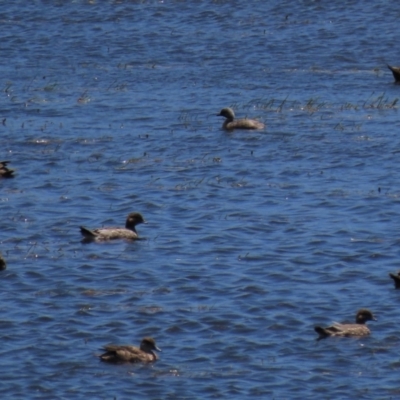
x=359 y=328
x=132 y=354
x=231 y=123
x=110 y=233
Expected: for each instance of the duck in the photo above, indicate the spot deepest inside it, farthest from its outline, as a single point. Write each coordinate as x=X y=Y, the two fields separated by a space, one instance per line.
x=395 y=72
x=120 y=354
x=396 y=279
x=110 y=233
x=3 y=264
x=359 y=328
x=6 y=172
x=231 y=123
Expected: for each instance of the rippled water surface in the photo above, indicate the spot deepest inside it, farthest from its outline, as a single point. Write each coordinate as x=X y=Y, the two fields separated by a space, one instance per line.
x=252 y=238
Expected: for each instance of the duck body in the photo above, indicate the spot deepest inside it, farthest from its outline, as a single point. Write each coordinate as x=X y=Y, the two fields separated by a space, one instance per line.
x=6 y=172
x=357 y=329
x=111 y=233
x=231 y=123
x=123 y=354
x=108 y=233
x=395 y=72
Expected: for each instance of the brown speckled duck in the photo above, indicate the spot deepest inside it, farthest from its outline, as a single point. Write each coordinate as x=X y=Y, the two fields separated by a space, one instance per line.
x=357 y=329
x=396 y=279
x=6 y=172
x=110 y=233
x=231 y=123
x=132 y=354
x=396 y=73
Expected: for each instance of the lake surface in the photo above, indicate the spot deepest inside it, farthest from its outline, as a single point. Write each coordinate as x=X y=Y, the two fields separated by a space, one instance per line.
x=253 y=237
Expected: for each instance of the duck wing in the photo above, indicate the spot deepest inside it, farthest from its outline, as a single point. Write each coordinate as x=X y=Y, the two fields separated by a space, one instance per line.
x=116 y=353
x=329 y=331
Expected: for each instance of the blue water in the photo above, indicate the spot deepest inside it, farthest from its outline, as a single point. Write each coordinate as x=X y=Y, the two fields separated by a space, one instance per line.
x=252 y=237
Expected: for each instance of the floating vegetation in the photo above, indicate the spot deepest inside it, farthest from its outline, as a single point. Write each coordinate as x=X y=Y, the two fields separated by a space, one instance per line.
x=381 y=102
x=7 y=87
x=188 y=119
x=135 y=160
x=50 y=87
x=84 y=98
x=108 y=292
x=116 y=86
x=315 y=104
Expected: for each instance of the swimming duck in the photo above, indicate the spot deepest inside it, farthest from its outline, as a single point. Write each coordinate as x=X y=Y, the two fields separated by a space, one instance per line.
x=120 y=354
x=5 y=172
x=358 y=329
x=110 y=233
x=396 y=73
x=3 y=264
x=396 y=279
x=231 y=123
